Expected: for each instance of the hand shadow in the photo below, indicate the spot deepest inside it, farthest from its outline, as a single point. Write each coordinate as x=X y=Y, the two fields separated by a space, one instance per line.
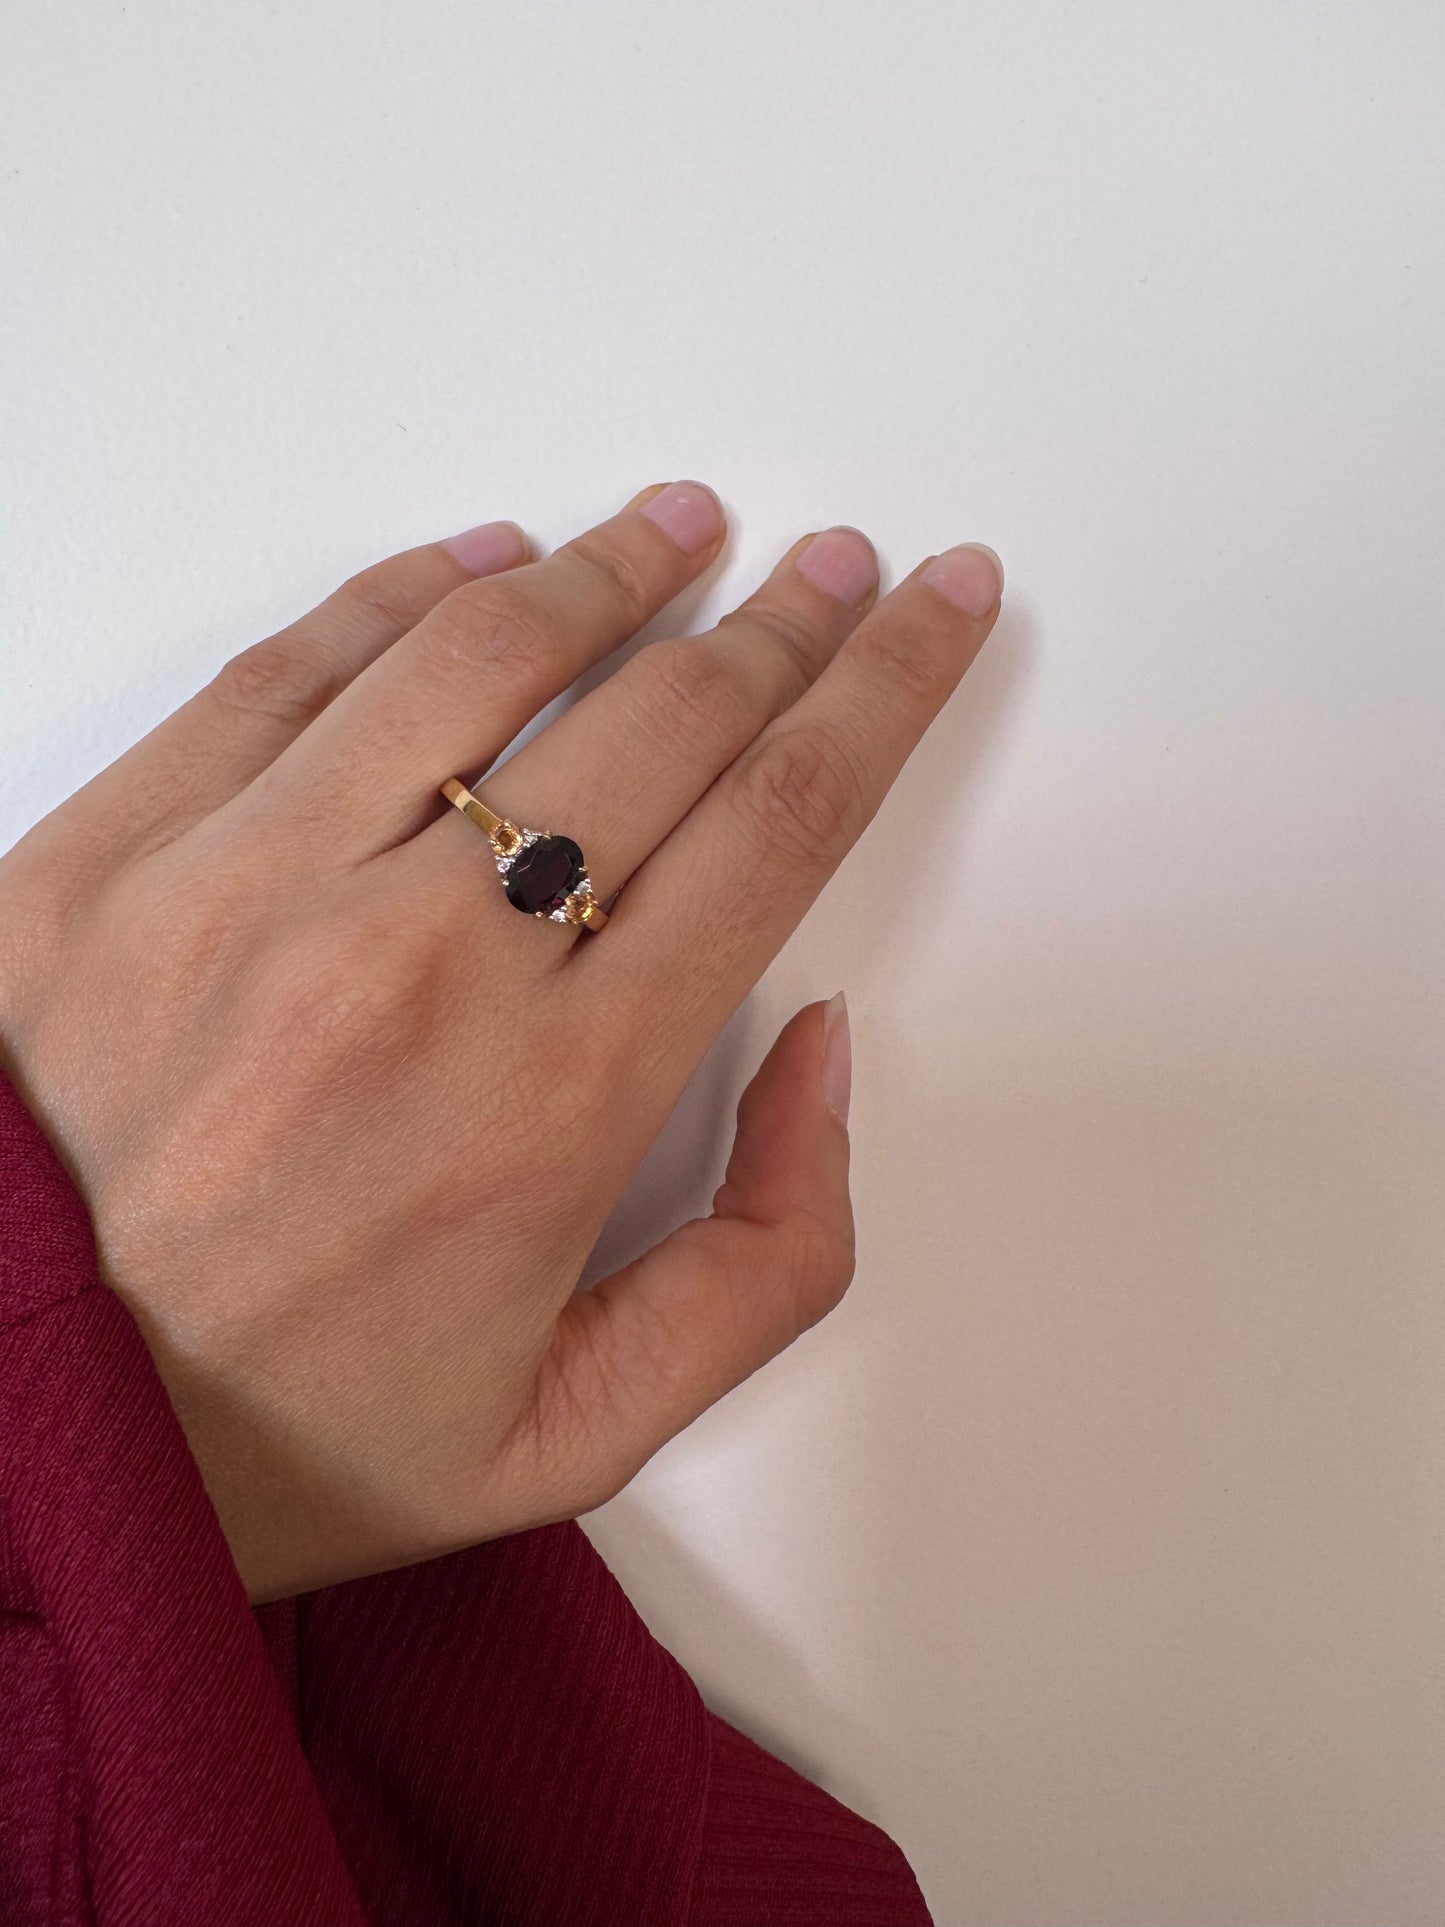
x=762 y=1681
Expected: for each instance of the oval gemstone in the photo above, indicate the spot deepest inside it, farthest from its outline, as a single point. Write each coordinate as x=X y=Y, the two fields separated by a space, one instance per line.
x=544 y=875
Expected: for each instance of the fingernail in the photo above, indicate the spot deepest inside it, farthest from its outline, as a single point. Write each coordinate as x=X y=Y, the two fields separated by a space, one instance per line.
x=490 y=547
x=837 y=1057
x=841 y=563
x=971 y=576
x=689 y=512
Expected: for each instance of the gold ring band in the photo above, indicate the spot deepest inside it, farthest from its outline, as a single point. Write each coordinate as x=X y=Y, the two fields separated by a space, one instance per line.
x=544 y=874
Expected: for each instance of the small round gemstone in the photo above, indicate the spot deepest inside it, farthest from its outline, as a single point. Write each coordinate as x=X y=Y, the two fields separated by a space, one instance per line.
x=544 y=875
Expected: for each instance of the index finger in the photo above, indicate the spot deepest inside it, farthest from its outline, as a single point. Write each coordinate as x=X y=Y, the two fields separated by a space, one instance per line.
x=719 y=897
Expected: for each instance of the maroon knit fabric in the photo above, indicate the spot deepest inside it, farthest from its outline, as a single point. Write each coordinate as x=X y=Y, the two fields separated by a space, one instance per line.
x=493 y=1737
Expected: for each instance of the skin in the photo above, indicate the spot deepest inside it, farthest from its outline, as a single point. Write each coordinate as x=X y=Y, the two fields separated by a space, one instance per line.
x=348 y=1125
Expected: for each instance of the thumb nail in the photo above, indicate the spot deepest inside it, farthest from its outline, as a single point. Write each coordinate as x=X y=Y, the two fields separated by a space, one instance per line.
x=837 y=1057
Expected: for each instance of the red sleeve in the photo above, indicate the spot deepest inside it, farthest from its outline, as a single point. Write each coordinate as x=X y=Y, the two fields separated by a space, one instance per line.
x=493 y=1737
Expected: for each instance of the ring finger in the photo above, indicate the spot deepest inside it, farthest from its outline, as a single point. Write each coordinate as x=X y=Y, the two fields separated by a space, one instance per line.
x=621 y=768
x=473 y=672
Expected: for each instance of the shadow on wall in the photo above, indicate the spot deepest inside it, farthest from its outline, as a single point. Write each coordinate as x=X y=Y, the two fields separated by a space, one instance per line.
x=1080 y=1548
x=867 y=1549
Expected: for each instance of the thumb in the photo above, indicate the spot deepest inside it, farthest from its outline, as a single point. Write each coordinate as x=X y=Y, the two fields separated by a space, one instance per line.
x=646 y=1350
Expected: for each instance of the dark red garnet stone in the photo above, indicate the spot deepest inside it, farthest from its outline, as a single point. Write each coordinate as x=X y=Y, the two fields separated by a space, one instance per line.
x=544 y=875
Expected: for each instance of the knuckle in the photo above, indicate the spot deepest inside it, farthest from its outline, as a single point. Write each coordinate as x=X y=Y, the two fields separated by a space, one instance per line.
x=687 y=690
x=495 y=626
x=804 y=793
x=913 y=655
x=824 y=1262
x=798 y=643
x=282 y=678
x=617 y=573
x=380 y=597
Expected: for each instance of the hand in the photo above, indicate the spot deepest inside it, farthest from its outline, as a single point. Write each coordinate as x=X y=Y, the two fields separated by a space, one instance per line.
x=348 y=1124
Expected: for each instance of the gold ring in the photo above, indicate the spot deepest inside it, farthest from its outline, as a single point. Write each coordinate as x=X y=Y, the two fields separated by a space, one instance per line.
x=544 y=875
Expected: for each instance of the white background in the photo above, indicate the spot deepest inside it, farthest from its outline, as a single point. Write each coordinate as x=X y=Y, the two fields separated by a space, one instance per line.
x=1094 y=1546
